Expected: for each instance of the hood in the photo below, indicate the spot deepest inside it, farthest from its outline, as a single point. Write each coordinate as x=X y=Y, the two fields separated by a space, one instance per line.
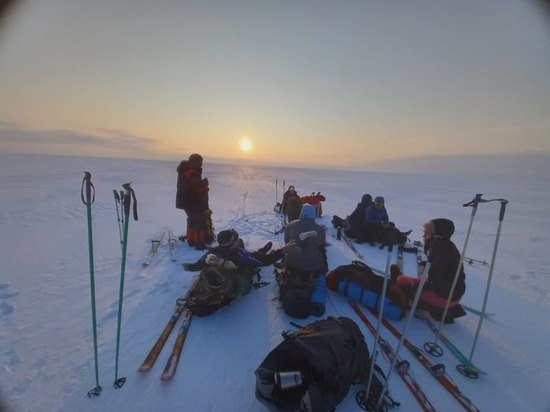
x=308 y=212
x=182 y=166
x=366 y=199
x=443 y=227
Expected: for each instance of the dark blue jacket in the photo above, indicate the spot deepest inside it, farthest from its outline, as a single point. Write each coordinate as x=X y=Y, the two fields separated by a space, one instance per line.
x=376 y=215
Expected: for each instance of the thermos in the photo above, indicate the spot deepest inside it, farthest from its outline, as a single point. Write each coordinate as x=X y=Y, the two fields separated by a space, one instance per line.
x=290 y=380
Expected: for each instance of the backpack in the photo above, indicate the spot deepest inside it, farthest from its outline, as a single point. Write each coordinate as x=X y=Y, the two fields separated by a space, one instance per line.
x=393 y=236
x=295 y=289
x=314 y=367
x=314 y=200
x=358 y=282
x=215 y=288
x=182 y=186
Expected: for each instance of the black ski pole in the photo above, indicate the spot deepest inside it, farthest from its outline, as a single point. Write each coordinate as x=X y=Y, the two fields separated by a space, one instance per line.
x=89 y=197
x=129 y=196
x=119 y=214
x=472 y=260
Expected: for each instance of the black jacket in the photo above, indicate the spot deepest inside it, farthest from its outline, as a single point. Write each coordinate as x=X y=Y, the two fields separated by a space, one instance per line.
x=445 y=258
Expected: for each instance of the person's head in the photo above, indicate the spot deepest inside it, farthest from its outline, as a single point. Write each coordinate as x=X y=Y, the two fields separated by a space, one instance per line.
x=441 y=227
x=228 y=238
x=195 y=160
x=308 y=212
x=366 y=199
x=378 y=202
x=291 y=189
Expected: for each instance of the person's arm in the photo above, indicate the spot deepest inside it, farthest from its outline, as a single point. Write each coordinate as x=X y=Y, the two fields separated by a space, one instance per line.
x=246 y=260
x=369 y=215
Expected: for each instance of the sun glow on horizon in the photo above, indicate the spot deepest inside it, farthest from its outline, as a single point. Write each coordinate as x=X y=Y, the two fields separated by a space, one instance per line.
x=245 y=145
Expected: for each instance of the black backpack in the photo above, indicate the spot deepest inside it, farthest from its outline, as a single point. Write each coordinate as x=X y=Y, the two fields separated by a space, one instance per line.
x=314 y=368
x=294 y=291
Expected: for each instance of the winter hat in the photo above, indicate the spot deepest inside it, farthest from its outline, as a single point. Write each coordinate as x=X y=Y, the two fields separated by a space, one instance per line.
x=443 y=227
x=308 y=212
x=195 y=157
x=366 y=199
x=227 y=237
x=379 y=199
x=291 y=188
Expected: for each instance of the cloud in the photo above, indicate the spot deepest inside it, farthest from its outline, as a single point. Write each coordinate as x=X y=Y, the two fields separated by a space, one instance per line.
x=106 y=142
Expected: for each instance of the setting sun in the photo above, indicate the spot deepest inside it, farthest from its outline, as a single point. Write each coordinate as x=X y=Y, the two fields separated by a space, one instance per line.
x=246 y=145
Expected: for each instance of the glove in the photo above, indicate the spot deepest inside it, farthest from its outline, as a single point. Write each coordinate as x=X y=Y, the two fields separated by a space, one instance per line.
x=217 y=261
x=187 y=267
x=205 y=181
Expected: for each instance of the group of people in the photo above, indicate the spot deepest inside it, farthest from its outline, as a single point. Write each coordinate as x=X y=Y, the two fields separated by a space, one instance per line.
x=304 y=249
x=305 y=241
x=369 y=221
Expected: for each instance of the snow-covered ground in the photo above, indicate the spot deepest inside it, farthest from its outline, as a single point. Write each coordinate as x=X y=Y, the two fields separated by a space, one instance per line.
x=46 y=345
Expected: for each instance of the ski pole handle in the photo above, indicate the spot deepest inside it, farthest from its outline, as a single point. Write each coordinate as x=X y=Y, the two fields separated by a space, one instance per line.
x=127 y=200
x=90 y=189
x=503 y=204
x=474 y=201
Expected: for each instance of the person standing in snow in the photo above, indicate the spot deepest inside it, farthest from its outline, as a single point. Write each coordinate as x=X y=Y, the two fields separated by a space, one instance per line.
x=305 y=242
x=290 y=193
x=445 y=260
x=192 y=197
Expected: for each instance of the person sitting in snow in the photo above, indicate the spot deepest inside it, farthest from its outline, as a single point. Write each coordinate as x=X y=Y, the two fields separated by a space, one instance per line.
x=445 y=260
x=305 y=242
x=354 y=224
x=376 y=220
x=231 y=254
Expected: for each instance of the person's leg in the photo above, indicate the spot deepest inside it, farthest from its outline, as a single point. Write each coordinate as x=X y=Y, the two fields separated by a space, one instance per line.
x=269 y=258
x=196 y=230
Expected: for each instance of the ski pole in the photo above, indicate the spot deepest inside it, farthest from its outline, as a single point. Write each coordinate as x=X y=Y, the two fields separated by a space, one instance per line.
x=380 y=314
x=423 y=278
x=472 y=260
x=129 y=196
x=118 y=214
x=503 y=203
x=88 y=186
x=474 y=203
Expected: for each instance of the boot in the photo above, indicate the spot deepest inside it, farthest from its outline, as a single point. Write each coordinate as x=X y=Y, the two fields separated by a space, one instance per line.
x=266 y=248
x=395 y=272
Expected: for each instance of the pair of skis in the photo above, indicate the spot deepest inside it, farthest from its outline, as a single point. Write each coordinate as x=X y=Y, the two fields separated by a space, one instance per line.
x=173 y=360
x=155 y=244
x=436 y=370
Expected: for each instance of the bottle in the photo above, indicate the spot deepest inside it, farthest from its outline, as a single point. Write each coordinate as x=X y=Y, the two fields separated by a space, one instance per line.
x=291 y=380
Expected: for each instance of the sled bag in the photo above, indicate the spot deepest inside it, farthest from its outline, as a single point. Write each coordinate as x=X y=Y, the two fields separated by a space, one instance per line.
x=314 y=368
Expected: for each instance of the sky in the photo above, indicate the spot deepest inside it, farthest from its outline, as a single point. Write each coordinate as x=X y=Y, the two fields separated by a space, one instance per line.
x=318 y=83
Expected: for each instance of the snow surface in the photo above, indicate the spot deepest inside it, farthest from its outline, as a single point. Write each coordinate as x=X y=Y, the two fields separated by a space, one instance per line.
x=46 y=345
